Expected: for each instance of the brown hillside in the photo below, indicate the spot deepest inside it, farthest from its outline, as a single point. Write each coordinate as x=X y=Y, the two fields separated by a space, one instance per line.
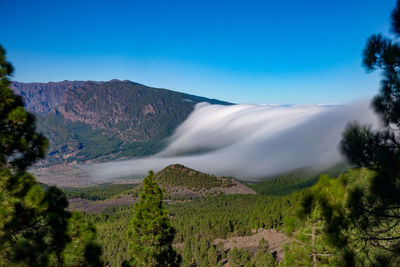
x=182 y=181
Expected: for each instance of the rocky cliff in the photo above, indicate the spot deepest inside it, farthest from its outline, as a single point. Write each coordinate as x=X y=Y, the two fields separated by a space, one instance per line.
x=97 y=121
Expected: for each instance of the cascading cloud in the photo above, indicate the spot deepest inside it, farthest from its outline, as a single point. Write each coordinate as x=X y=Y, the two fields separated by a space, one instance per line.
x=250 y=141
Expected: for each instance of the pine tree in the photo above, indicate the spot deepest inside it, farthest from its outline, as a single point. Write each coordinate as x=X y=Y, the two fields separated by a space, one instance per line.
x=361 y=209
x=338 y=238
x=33 y=221
x=311 y=244
x=150 y=232
x=263 y=256
x=376 y=211
x=20 y=144
x=24 y=230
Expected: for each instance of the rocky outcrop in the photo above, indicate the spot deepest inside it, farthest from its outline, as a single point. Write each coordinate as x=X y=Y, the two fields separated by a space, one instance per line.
x=42 y=98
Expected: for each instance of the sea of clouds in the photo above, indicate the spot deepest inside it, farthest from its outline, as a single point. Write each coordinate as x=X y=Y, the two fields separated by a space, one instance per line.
x=250 y=141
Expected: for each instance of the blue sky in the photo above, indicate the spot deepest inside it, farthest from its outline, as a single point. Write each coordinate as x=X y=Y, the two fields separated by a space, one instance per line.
x=241 y=51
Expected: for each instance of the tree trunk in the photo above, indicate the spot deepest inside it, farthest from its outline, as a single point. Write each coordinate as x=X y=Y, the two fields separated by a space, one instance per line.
x=314 y=254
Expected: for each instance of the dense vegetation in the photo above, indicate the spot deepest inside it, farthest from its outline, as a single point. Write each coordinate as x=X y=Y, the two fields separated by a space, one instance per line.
x=328 y=230
x=150 y=234
x=355 y=220
x=198 y=223
x=181 y=176
x=35 y=227
x=322 y=232
x=296 y=180
x=98 y=192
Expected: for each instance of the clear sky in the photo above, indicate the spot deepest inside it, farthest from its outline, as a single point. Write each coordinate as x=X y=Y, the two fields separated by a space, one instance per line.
x=281 y=52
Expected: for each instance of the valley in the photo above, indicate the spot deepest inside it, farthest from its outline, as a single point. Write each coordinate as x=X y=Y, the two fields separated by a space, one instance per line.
x=219 y=221
x=200 y=134
x=117 y=126
x=128 y=119
x=215 y=220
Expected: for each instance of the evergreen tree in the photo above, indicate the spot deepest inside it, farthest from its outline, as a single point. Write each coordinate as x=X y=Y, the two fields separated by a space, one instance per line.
x=360 y=210
x=376 y=210
x=341 y=239
x=20 y=144
x=239 y=257
x=263 y=256
x=33 y=222
x=82 y=250
x=150 y=233
x=316 y=239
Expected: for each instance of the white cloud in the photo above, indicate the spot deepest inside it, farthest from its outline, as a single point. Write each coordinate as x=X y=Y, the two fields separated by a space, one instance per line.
x=250 y=141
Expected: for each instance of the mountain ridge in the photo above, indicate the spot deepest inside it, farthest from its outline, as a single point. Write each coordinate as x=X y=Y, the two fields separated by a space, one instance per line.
x=99 y=121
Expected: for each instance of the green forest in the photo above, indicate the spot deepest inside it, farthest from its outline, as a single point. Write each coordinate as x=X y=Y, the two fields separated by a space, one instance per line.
x=198 y=223
x=346 y=215
x=98 y=192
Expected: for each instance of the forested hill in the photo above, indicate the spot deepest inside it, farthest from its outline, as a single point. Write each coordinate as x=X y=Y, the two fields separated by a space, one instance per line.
x=180 y=180
x=126 y=118
x=296 y=180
